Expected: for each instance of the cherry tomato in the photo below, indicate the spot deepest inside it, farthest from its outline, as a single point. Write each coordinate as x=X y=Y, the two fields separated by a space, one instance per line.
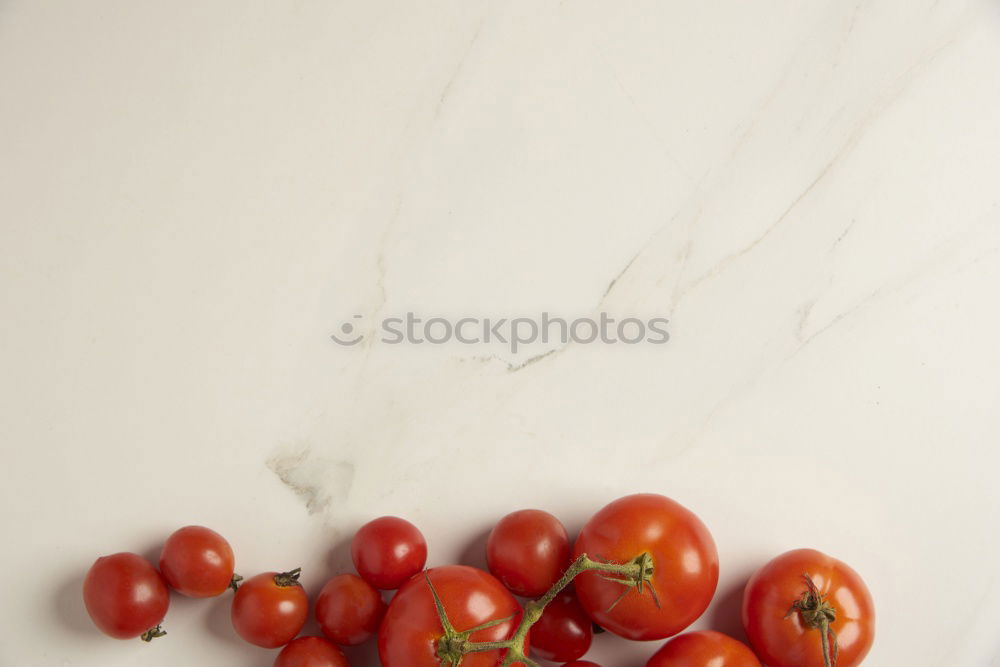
x=349 y=609
x=683 y=556
x=270 y=609
x=701 y=649
x=310 y=652
x=125 y=596
x=197 y=562
x=528 y=551
x=817 y=590
x=564 y=631
x=471 y=597
x=388 y=551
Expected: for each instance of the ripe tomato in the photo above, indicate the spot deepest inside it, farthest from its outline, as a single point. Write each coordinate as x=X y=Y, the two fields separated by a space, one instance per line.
x=564 y=631
x=528 y=551
x=270 y=609
x=787 y=601
x=125 y=596
x=698 y=649
x=471 y=597
x=349 y=609
x=310 y=652
x=197 y=562
x=388 y=551
x=685 y=567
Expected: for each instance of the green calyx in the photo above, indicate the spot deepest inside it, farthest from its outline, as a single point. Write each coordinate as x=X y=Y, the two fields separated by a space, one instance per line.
x=817 y=613
x=454 y=645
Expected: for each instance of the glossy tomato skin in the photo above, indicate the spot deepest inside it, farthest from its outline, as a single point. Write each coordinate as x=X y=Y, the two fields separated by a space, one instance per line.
x=701 y=649
x=349 y=610
x=310 y=652
x=685 y=566
x=388 y=551
x=782 y=639
x=411 y=628
x=125 y=595
x=528 y=551
x=197 y=562
x=268 y=614
x=564 y=632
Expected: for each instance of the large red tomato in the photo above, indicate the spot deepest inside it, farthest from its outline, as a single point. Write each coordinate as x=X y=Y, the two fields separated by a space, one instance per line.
x=564 y=632
x=701 y=649
x=197 y=562
x=788 y=601
x=683 y=556
x=310 y=652
x=270 y=609
x=125 y=596
x=471 y=597
x=388 y=551
x=528 y=551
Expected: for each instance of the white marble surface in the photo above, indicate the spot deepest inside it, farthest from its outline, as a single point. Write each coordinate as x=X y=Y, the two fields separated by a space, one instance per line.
x=195 y=195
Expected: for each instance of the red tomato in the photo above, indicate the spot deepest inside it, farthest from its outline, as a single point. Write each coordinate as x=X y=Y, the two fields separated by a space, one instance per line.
x=787 y=601
x=564 y=631
x=270 y=609
x=701 y=649
x=349 y=609
x=388 y=551
x=528 y=551
x=197 y=562
x=685 y=567
x=125 y=596
x=471 y=597
x=310 y=652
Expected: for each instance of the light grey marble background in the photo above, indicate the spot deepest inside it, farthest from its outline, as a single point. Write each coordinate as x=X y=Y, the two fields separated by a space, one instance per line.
x=195 y=195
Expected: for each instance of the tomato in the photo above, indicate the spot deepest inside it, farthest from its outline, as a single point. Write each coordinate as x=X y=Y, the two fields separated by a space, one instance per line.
x=270 y=609
x=564 y=631
x=197 y=562
x=471 y=597
x=125 y=596
x=349 y=609
x=684 y=559
x=528 y=551
x=310 y=652
x=700 y=649
x=388 y=551
x=787 y=601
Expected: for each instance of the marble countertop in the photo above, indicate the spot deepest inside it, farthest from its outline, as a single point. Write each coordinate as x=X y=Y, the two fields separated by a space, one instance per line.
x=196 y=196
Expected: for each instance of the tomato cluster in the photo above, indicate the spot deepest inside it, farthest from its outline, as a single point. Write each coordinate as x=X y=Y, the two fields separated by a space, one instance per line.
x=644 y=568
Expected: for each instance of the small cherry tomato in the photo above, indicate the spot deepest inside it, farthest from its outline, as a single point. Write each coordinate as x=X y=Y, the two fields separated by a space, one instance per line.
x=411 y=631
x=701 y=649
x=803 y=607
x=685 y=567
x=388 y=551
x=310 y=652
x=270 y=609
x=564 y=631
x=528 y=551
x=349 y=609
x=197 y=562
x=125 y=596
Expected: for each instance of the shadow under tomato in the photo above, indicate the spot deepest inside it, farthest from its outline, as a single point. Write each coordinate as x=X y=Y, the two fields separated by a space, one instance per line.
x=725 y=615
x=474 y=553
